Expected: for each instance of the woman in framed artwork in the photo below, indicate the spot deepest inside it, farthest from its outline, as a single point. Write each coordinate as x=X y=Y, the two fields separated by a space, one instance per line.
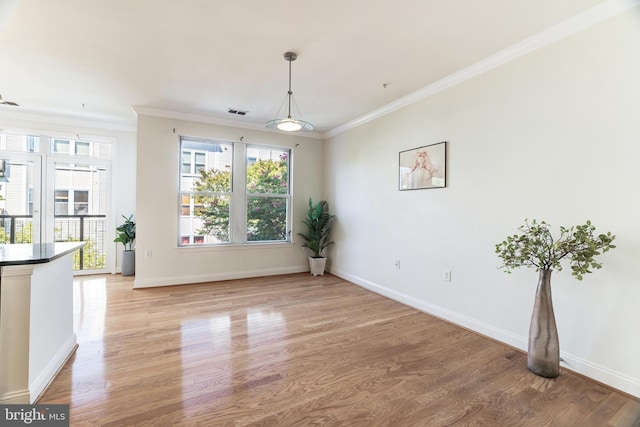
x=422 y=171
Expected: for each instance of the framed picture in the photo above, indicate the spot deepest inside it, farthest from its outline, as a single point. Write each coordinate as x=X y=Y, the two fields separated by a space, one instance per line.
x=423 y=167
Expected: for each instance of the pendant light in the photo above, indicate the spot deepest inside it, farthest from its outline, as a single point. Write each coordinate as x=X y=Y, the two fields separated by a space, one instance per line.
x=289 y=124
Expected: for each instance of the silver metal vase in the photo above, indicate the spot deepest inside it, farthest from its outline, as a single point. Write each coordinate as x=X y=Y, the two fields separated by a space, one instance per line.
x=544 y=349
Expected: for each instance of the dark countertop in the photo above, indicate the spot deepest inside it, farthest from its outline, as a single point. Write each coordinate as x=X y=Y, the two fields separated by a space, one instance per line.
x=37 y=253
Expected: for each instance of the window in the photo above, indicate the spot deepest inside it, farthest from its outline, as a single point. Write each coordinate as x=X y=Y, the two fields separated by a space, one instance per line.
x=193 y=162
x=81 y=148
x=80 y=202
x=267 y=194
x=60 y=146
x=61 y=202
x=24 y=143
x=222 y=201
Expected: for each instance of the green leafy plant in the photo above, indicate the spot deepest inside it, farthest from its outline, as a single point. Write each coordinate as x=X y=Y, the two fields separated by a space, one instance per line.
x=319 y=222
x=536 y=248
x=126 y=233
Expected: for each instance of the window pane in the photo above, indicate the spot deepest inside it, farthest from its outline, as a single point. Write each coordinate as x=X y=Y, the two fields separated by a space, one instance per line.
x=267 y=171
x=81 y=202
x=82 y=148
x=200 y=162
x=25 y=143
x=61 y=202
x=185 y=204
x=186 y=162
x=213 y=158
x=81 y=196
x=212 y=213
x=266 y=219
x=60 y=146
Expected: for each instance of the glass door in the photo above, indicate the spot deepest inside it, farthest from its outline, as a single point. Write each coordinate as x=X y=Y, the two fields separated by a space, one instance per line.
x=79 y=184
x=20 y=177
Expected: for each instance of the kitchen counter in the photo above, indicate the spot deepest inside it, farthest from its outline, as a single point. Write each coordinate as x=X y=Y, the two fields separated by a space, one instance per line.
x=38 y=253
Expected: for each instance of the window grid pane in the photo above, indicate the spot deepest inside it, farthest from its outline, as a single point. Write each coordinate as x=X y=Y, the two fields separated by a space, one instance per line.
x=205 y=183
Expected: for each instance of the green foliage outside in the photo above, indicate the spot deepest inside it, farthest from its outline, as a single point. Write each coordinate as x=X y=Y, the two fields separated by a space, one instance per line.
x=214 y=208
x=266 y=215
x=92 y=257
x=4 y=236
x=24 y=233
x=537 y=248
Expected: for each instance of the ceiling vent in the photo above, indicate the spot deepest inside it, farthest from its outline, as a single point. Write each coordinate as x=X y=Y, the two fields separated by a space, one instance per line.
x=237 y=112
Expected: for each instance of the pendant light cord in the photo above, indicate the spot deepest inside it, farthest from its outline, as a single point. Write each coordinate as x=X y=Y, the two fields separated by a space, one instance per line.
x=290 y=92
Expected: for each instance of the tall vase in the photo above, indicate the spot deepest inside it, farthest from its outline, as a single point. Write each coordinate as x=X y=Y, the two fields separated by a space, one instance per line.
x=544 y=349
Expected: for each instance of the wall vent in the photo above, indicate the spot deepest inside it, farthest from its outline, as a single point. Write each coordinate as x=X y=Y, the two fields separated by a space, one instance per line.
x=237 y=112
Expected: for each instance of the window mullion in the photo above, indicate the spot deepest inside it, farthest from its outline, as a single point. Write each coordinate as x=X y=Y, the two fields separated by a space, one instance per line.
x=238 y=194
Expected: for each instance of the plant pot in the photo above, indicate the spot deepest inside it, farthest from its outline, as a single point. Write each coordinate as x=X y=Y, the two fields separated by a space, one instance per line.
x=128 y=266
x=316 y=265
x=543 y=358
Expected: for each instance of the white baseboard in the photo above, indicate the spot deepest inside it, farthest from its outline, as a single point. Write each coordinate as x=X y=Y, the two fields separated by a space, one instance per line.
x=42 y=381
x=214 y=277
x=594 y=371
x=44 y=378
x=17 y=397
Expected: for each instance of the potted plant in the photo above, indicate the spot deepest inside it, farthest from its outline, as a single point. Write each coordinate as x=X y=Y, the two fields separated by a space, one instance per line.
x=318 y=222
x=126 y=234
x=537 y=248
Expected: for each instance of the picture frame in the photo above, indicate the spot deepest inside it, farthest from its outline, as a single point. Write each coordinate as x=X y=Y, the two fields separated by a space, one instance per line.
x=423 y=167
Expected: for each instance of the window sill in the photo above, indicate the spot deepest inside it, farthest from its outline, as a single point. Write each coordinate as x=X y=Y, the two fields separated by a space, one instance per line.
x=235 y=247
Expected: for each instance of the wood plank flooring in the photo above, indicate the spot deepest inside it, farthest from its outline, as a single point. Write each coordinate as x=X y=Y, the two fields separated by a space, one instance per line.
x=298 y=350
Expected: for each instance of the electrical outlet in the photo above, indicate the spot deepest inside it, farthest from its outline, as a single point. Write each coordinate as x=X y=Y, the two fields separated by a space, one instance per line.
x=447 y=276
x=147 y=253
x=398 y=264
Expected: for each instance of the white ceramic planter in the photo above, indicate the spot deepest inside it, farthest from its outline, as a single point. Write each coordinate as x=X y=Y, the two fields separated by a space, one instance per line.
x=316 y=265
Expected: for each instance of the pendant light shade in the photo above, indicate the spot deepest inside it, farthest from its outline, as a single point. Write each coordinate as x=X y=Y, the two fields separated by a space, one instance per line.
x=289 y=124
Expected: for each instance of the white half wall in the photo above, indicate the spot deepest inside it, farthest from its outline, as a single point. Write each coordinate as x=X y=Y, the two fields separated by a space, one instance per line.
x=157 y=207
x=552 y=135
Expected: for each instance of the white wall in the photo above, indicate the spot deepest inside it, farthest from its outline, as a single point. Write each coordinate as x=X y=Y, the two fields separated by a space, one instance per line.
x=157 y=207
x=552 y=135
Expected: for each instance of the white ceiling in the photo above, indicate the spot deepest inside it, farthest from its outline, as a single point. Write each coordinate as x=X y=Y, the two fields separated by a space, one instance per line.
x=94 y=59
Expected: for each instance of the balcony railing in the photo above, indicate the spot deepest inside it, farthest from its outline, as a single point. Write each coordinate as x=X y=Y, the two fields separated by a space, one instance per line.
x=67 y=228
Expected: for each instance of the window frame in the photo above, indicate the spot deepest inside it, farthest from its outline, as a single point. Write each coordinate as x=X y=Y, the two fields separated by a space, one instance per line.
x=238 y=196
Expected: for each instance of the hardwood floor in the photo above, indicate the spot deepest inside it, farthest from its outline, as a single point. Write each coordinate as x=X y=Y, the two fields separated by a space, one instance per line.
x=300 y=350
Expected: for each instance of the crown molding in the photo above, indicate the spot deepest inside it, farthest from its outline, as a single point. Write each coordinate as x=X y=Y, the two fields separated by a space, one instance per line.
x=43 y=116
x=155 y=112
x=580 y=22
